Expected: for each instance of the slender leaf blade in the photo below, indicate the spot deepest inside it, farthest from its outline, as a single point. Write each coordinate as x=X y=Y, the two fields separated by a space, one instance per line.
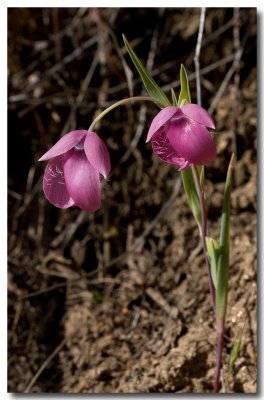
x=223 y=264
x=192 y=195
x=212 y=246
x=151 y=86
x=202 y=175
x=185 y=95
x=234 y=355
x=235 y=351
x=174 y=98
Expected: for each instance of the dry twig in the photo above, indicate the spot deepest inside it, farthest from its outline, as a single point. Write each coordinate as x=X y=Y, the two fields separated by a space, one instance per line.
x=197 y=56
x=44 y=366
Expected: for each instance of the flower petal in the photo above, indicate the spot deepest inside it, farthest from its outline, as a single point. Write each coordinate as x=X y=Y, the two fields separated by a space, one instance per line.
x=198 y=114
x=66 y=143
x=54 y=185
x=161 y=118
x=192 y=141
x=82 y=181
x=97 y=153
x=163 y=149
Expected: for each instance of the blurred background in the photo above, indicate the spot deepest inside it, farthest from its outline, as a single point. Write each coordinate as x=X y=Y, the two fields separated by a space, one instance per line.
x=117 y=301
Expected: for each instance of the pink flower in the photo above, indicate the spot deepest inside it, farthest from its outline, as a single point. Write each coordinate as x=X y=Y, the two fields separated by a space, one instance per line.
x=180 y=136
x=72 y=176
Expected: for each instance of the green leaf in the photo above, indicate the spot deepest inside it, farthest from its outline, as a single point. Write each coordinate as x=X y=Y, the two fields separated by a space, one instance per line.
x=223 y=264
x=202 y=174
x=174 y=98
x=234 y=355
x=212 y=246
x=185 y=95
x=151 y=86
x=192 y=195
x=235 y=351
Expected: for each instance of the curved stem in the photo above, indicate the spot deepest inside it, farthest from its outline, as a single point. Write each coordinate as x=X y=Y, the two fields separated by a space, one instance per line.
x=123 y=102
x=203 y=233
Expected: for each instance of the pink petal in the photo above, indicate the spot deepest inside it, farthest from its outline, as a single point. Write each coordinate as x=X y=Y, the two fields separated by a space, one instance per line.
x=82 y=181
x=192 y=141
x=198 y=114
x=163 y=149
x=54 y=185
x=97 y=153
x=161 y=118
x=65 y=143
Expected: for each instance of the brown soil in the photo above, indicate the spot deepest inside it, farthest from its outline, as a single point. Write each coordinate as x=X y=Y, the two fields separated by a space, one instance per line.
x=117 y=301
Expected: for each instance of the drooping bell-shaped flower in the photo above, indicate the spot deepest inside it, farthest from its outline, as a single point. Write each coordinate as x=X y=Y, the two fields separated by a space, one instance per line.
x=72 y=176
x=179 y=136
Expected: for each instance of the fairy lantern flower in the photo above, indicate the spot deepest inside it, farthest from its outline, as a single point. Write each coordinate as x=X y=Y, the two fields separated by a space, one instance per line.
x=72 y=176
x=179 y=136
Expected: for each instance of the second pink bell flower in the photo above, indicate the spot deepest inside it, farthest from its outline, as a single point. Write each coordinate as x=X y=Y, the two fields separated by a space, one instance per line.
x=72 y=176
x=179 y=136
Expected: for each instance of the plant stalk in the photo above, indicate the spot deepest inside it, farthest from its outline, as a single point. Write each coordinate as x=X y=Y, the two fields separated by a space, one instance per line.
x=222 y=275
x=123 y=102
x=219 y=351
x=203 y=234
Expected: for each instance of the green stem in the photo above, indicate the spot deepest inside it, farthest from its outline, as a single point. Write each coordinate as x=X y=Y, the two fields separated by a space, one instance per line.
x=222 y=275
x=123 y=102
x=203 y=233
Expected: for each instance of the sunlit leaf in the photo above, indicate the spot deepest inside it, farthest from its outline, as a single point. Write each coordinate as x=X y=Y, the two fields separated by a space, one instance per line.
x=192 y=195
x=151 y=86
x=212 y=246
x=235 y=351
x=185 y=96
x=174 y=98
x=202 y=174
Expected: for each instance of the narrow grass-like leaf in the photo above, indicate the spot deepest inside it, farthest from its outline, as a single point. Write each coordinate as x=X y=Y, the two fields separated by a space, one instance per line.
x=234 y=355
x=212 y=246
x=174 y=98
x=223 y=264
x=185 y=96
x=192 y=195
x=151 y=86
x=235 y=351
x=202 y=175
